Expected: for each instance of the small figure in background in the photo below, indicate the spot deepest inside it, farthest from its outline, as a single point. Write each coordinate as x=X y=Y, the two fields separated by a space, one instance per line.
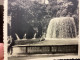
x=10 y=44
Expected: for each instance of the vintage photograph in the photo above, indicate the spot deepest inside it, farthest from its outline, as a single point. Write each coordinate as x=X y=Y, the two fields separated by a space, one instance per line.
x=42 y=29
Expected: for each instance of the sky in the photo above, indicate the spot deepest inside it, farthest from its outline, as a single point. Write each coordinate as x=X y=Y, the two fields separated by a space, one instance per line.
x=1 y=2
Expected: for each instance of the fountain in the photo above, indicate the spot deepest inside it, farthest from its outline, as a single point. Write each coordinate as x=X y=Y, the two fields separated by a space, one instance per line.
x=63 y=27
x=61 y=37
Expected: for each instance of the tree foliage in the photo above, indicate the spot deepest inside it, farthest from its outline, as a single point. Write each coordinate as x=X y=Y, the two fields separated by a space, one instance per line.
x=35 y=14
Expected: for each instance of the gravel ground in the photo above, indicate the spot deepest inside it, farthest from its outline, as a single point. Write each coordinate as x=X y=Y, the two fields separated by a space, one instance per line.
x=42 y=56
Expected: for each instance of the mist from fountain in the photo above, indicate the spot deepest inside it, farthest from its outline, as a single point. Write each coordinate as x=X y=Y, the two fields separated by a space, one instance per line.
x=63 y=27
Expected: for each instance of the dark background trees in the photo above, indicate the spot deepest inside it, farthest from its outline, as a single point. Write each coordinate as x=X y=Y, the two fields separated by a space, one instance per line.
x=30 y=17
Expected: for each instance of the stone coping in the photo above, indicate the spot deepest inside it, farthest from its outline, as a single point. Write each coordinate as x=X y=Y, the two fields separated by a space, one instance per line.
x=52 y=42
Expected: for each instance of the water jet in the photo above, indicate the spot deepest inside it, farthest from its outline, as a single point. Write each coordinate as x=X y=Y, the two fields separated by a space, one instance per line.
x=63 y=27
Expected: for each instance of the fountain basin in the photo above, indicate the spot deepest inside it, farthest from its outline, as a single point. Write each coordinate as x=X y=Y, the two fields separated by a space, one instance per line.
x=26 y=41
x=48 y=47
